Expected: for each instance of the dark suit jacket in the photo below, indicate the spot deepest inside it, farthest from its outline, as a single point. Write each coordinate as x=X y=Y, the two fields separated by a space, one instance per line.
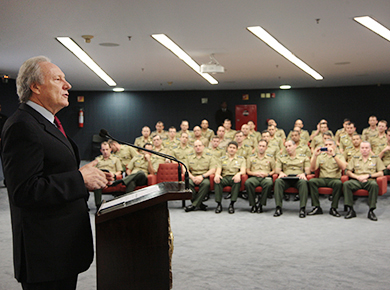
x=52 y=236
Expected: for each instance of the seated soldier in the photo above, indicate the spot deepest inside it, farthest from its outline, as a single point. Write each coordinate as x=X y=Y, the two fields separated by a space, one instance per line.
x=138 y=169
x=172 y=140
x=372 y=130
x=296 y=168
x=305 y=137
x=379 y=142
x=229 y=132
x=160 y=130
x=252 y=131
x=278 y=132
x=270 y=151
x=331 y=165
x=302 y=147
x=363 y=171
x=229 y=170
x=260 y=168
x=198 y=136
x=322 y=127
x=341 y=131
x=385 y=154
x=145 y=138
x=106 y=162
x=183 y=149
x=223 y=142
x=124 y=152
x=353 y=150
x=200 y=166
x=317 y=142
x=275 y=141
x=157 y=146
x=214 y=148
x=346 y=139
x=184 y=126
x=206 y=131
x=243 y=150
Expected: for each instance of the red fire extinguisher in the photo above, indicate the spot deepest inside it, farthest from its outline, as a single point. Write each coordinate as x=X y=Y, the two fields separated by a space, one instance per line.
x=81 y=118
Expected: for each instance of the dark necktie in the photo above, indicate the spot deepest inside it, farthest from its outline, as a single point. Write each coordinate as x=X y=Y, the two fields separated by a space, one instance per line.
x=59 y=125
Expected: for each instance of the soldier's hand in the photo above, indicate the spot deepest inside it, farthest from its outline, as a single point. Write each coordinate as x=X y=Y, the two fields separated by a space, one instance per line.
x=302 y=176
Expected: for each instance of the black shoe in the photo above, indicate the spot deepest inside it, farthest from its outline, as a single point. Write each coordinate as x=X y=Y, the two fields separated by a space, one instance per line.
x=219 y=208
x=206 y=198
x=278 y=211
x=260 y=209
x=286 y=197
x=334 y=212
x=228 y=196
x=254 y=209
x=189 y=208
x=315 y=210
x=203 y=207
x=371 y=215
x=296 y=198
x=302 y=212
x=231 y=208
x=244 y=196
x=116 y=182
x=350 y=214
x=330 y=197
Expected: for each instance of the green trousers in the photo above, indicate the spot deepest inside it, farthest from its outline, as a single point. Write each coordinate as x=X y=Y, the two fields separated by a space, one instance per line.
x=352 y=185
x=204 y=188
x=281 y=185
x=226 y=181
x=334 y=183
x=250 y=185
x=135 y=179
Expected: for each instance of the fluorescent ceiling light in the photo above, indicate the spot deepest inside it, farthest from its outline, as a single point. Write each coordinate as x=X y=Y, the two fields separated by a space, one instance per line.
x=373 y=25
x=285 y=87
x=86 y=59
x=169 y=44
x=278 y=47
x=118 y=90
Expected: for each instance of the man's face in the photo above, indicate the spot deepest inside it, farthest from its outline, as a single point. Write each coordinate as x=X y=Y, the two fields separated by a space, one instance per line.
x=197 y=131
x=198 y=146
x=245 y=129
x=271 y=130
x=172 y=132
x=295 y=137
x=345 y=124
x=157 y=141
x=239 y=137
x=184 y=138
x=325 y=137
x=53 y=93
x=330 y=143
x=227 y=124
x=350 y=129
x=382 y=127
x=372 y=121
x=150 y=147
x=356 y=140
x=215 y=142
x=298 y=123
x=324 y=128
x=114 y=147
x=221 y=132
x=184 y=126
x=365 y=148
x=159 y=127
x=262 y=147
x=106 y=150
x=266 y=136
x=145 y=132
x=271 y=122
x=290 y=147
x=204 y=124
x=232 y=149
x=251 y=125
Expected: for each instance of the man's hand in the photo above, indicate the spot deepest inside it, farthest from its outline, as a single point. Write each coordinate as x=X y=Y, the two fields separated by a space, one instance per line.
x=94 y=178
x=282 y=174
x=302 y=176
x=217 y=178
x=237 y=178
x=363 y=178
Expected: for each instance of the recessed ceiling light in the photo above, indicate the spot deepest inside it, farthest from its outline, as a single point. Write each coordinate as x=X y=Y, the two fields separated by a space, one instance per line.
x=285 y=87
x=86 y=59
x=118 y=90
x=180 y=53
x=278 y=47
x=374 y=25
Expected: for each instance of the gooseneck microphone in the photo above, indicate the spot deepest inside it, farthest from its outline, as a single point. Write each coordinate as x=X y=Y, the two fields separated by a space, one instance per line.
x=104 y=134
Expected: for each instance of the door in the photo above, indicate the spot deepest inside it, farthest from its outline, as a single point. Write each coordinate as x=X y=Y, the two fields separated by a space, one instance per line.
x=245 y=113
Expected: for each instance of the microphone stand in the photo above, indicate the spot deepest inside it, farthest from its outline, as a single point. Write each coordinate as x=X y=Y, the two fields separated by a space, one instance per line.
x=104 y=134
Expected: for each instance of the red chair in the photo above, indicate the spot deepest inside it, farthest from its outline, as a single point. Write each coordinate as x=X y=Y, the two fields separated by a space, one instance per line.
x=382 y=183
x=169 y=172
x=328 y=190
x=388 y=178
x=121 y=188
x=244 y=177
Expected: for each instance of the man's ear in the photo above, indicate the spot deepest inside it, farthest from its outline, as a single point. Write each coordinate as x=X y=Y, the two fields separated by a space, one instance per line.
x=35 y=88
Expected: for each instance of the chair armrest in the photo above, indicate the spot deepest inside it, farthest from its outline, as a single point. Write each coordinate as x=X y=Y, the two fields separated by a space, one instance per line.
x=382 y=183
x=152 y=179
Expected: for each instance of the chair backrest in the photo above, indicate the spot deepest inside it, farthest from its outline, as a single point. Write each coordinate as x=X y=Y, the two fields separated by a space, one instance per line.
x=167 y=172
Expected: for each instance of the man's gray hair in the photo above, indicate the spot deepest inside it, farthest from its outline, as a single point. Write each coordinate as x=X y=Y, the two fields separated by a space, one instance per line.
x=29 y=73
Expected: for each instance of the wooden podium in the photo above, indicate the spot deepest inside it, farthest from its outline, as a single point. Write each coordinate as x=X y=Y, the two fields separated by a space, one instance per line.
x=132 y=238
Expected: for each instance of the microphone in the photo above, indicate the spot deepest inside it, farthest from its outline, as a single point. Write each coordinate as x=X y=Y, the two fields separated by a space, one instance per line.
x=104 y=134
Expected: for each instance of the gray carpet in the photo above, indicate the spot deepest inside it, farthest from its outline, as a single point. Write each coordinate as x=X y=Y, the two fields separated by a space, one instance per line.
x=258 y=251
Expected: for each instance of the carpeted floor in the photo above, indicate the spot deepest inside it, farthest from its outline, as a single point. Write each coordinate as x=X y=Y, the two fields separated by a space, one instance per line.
x=259 y=251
